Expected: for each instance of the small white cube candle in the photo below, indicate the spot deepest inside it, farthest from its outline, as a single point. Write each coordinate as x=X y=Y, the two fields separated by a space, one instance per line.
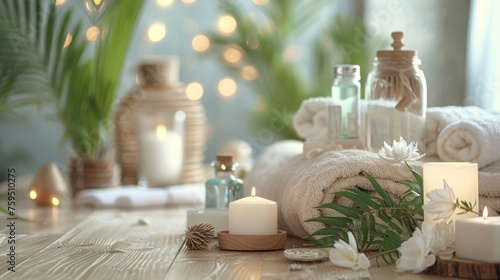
x=462 y=177
x=253 y=215
x=478 y=239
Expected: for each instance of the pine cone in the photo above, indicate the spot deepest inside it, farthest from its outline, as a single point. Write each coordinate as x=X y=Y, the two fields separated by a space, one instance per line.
x=198 y=236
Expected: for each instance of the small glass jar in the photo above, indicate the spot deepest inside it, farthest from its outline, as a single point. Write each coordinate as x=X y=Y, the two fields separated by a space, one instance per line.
x=225 y=186
x=161 y=147
x=396 y=98
x=345 y=98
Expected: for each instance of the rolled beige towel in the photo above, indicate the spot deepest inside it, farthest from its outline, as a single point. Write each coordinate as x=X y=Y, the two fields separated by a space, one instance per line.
x=311 y=119
x=475 y=139
x=438 y=118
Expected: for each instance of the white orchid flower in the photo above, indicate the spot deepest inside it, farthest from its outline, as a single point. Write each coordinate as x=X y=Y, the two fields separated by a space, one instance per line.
x=444 y=239
x=346 y=255
x=442 y=202
x=399 y=151
x=414 y=253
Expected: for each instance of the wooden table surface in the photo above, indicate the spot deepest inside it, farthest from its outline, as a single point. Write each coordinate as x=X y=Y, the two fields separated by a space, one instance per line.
x=76 y=243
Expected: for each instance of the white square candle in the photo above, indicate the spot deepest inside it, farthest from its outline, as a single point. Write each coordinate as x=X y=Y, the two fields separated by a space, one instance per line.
x=462 y=177
x=478 y=239
x=253 y=215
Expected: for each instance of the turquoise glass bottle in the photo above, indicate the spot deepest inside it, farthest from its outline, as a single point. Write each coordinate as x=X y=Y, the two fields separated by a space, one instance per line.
x=225 y=186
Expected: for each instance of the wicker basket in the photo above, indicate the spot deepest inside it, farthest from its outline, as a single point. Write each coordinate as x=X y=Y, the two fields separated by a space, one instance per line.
x=158 y=89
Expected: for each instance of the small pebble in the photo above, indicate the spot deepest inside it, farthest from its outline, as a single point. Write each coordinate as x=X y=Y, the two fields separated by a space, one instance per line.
x=120 y=246
x=143 y=222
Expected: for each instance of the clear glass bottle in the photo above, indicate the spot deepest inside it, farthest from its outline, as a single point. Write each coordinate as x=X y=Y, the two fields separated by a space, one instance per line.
x=396 y=98
x=224 y=187
x=346 y=95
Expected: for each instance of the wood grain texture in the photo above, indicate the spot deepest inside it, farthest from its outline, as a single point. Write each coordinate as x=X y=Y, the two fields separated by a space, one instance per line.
x=465 y=269
x=251 y=242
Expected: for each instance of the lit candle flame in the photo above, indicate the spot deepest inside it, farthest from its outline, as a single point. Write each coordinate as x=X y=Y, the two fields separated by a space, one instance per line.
x=55 y=201
x=33 y=194
x=485 y=213
x=223 y=166
x=161 y=131
x=253 y=191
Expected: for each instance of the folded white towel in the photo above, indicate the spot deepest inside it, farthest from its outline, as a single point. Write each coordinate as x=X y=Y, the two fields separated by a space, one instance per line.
x=133 y=196
x=311 y=119
x=475 y=139
x=438 y=118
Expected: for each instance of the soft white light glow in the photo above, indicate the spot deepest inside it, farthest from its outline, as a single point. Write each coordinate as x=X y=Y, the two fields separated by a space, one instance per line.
x=33 y=194
x=253 y=191
x=194 y=91
x=68 y=40
x=92 y=33
x=227 y=24
x=55 y=201
x=200 y=43
x=161 y=132
x=60 y=2
x=157 y=31
x=232 y=55
x=188 y=1
x=227 y=87
x=260 y=2
x=485 y=212
x=165 y=3
x=249 y=73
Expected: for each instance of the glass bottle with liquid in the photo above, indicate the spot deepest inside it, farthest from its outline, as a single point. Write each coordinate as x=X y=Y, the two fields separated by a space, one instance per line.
x=345 y=101
x=225 y=186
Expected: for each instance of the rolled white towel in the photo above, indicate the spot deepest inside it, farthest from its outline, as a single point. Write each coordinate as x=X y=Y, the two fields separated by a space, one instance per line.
x=133 y=196
x=311 y=119
x=475 y=139
x=438 y=118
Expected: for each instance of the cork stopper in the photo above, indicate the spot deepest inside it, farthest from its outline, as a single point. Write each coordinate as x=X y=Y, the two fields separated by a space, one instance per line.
x=397 y=45
x=154 y=72
x=224 y=163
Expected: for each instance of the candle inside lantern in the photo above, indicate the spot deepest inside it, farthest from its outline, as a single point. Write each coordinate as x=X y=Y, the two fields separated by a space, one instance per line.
x=478 y=238
x=161 y=156
x=462 y=177
x=253 y=215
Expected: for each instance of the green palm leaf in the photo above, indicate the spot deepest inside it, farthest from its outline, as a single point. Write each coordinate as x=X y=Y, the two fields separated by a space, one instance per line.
x=79 y=81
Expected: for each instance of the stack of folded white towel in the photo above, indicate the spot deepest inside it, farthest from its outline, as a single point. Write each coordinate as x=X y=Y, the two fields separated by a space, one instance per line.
x=452 y=133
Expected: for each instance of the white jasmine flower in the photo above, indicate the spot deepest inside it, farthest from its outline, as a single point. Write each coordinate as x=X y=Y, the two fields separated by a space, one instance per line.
x=399 y=151
x=444 y=239
x=414 y=253
x=442 y=202
x=346 y=255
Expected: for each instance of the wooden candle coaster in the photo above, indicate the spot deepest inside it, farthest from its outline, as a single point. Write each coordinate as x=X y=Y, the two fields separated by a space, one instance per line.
x=467 y=269
x=237 y=242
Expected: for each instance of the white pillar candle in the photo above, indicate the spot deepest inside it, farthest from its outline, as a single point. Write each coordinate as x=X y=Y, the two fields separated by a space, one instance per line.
x=478 y=238
x=161 y=156
x=253 y=215
x=462 y=177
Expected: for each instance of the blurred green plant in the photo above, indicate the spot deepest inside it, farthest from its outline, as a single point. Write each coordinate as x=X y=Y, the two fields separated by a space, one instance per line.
x=47 y=59
x=281 y=85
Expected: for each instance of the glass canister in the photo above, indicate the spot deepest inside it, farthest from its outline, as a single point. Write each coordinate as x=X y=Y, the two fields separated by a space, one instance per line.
x=161 y=147
x=225 y=186
x=396 y=97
